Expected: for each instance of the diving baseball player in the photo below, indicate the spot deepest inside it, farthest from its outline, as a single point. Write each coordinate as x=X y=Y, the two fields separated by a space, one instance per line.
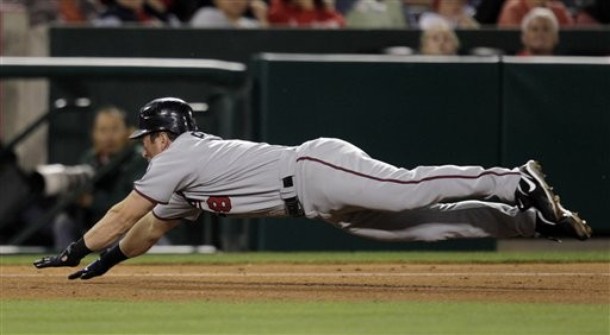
x=329 y=179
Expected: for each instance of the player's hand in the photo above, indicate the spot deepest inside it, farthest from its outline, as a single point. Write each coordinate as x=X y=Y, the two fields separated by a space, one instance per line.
x=94 y=269
x=107 y=260
x=65 y=258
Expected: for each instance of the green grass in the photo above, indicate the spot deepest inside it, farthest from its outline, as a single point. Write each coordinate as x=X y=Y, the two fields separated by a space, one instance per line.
x=107 y=317
x=351 y=257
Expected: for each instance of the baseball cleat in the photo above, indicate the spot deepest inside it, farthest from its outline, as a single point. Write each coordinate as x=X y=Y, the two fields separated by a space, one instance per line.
x=533 y=191
x=571 y=225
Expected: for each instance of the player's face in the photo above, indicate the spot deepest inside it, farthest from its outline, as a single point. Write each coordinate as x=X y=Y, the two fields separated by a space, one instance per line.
x=153 y=147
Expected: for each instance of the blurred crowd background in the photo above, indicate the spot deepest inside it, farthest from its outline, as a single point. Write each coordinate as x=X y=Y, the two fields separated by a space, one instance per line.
x=327 y=14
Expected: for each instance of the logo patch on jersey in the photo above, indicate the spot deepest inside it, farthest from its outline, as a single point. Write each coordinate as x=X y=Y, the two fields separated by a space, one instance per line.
x=219 y=204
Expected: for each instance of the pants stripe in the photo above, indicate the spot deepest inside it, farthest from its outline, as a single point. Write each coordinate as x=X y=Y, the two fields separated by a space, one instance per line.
x=398 y=181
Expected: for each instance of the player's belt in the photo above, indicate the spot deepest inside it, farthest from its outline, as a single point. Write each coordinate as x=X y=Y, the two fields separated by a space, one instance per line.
x=288 y=193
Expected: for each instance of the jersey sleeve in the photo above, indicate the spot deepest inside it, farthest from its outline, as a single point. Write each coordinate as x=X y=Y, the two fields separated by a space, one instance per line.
x=176 y=208
x=163 y=177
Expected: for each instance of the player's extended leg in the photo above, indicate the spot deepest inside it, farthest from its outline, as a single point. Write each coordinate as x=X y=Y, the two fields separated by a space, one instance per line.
x=466 y=219
x=338 y=175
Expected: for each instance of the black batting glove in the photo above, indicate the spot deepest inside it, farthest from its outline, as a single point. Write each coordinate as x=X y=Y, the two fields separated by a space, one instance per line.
x=71 y=256
x=94 y=269
x=106 y=261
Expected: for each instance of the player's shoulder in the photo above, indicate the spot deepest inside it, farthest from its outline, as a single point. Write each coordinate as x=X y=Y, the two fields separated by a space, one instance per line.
x=191 y=139
x=202 y=142
x=188 y=143
x=196 y=136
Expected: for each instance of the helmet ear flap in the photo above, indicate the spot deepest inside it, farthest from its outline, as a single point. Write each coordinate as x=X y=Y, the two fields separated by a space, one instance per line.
x=191 y=124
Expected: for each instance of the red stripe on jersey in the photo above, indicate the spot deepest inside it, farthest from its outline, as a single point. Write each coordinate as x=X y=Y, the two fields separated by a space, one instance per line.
x=149 y=198
x=398 y=181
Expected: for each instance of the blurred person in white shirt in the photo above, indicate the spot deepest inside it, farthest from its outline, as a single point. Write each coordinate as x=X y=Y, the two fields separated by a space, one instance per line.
x=231 y=14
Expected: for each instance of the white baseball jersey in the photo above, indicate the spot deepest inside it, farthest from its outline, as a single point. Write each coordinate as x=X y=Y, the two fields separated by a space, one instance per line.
x=337 y=182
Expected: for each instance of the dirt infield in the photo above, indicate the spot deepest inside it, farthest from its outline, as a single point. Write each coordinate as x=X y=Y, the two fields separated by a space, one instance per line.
x=555 y=283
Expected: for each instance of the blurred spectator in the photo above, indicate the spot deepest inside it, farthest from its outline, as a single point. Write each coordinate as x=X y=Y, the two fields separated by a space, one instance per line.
x=144 y=12
x=79 y=11
x=183 y=10
x=488 y=11
x=110 y=137
x=344 y=6
x=439 y=40
x=455 y=13
x=539 y=33
x=376 y=14
x=514 y=11
x=593 y=13
x=42 y=12
x=231 y=14
x=413 y=9
x=305 y=13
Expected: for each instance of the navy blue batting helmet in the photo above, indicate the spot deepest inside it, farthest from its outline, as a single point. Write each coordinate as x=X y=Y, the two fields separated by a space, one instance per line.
x=165 y=114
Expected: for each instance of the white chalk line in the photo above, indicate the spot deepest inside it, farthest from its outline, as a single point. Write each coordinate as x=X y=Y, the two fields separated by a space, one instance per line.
x=323 y=274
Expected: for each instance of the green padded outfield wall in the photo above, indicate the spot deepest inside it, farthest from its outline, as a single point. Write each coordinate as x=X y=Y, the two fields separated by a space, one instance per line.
x=558 y=110
x=406 y=111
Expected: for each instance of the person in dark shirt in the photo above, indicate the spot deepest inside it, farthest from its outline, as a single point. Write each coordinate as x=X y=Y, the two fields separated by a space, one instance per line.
x=110 y=138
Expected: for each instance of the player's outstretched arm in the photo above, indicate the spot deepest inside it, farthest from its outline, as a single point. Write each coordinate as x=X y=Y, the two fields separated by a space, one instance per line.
x=144 y=234
x=118 y=220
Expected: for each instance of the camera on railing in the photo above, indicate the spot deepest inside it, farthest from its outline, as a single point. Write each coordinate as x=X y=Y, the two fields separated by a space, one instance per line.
x=58 y=179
